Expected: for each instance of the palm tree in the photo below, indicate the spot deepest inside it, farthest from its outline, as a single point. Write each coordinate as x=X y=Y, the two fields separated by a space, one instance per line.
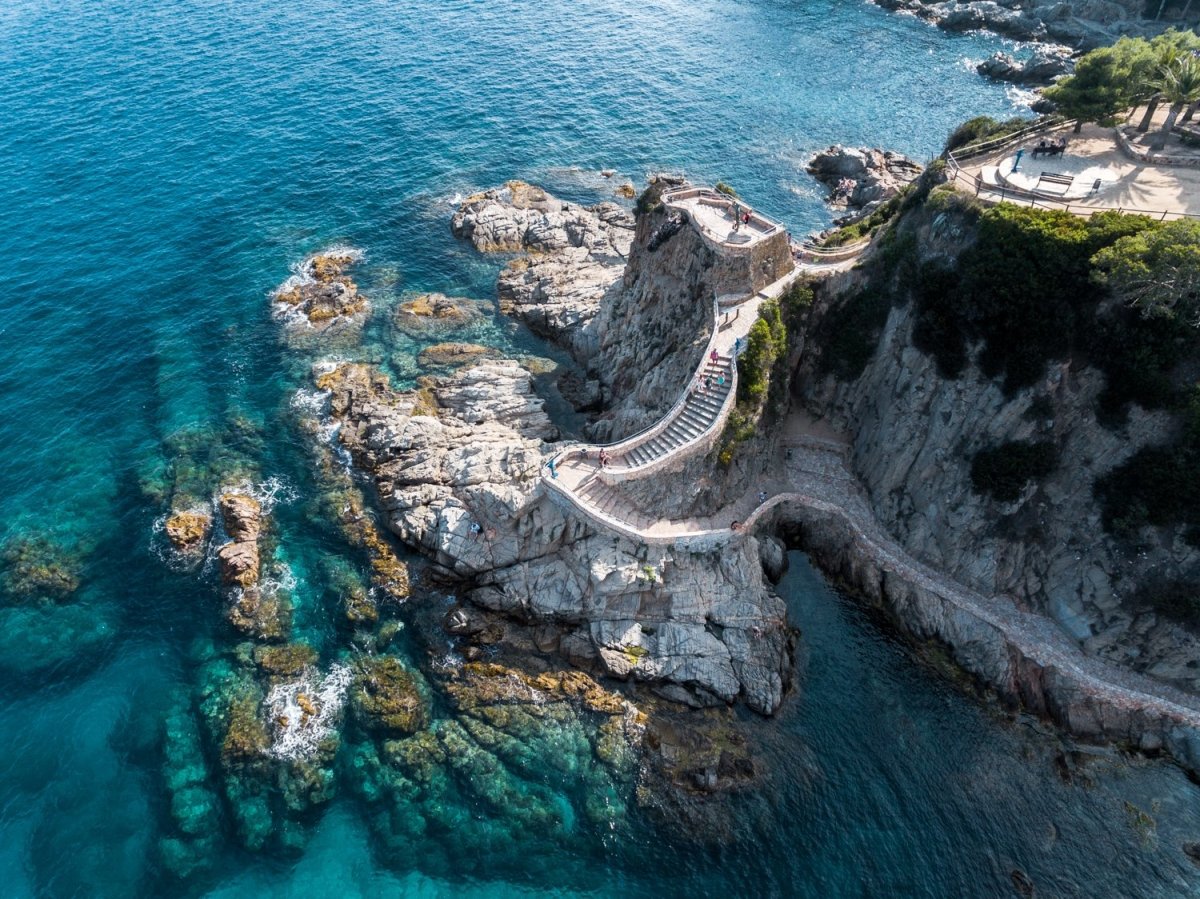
x=1180 y=88
x=1167 y=57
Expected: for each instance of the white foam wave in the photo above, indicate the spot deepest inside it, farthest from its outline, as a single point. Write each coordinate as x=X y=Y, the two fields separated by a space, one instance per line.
x=282 y=579
x=269 y=492
x=300 y=725
x=302 y=271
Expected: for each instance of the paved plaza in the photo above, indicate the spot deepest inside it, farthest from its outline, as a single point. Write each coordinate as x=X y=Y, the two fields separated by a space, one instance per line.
x=1094 y=154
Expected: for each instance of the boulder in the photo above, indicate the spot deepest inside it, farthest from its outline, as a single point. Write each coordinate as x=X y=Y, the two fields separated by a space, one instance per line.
x=188 y=531
x=242 y=516
x=862 y=178
x=239 y=563
x=1045 y=65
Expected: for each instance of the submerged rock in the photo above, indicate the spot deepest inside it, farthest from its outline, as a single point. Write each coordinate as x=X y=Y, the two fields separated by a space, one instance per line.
x=454 y=355
x=385 y=697
x=38 y=569
x=434 y=313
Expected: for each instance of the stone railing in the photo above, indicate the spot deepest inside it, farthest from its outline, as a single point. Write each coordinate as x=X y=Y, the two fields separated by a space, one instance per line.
x=648 y=434
x=688 y=541
x=698 y=445
x=765 y=227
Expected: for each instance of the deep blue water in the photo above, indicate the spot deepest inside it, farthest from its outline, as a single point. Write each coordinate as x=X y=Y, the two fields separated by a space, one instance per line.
x=165 y=162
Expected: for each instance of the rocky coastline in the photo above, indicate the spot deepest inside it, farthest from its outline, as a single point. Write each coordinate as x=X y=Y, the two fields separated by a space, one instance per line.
x=455 y=464
x=1081 y=24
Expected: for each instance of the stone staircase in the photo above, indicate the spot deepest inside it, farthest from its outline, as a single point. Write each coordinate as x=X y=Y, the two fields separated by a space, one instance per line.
x=699 y=412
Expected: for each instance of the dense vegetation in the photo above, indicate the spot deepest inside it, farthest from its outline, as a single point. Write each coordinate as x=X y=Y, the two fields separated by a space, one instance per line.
x=1028 y=291
x=982 y=128
x=1030 y=287
x=1003 y=471
x=1158 y=485
x=763 y=372
x=1109 y=80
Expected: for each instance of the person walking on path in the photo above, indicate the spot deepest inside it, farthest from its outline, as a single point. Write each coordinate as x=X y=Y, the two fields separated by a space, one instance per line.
x=714 y=356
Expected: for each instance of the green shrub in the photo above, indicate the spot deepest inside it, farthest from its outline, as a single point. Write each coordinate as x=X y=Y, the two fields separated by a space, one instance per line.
x=1024 y=289
x=983 y=128
x=1178 y=600
x=650 y=199
x=940 y=328
x=763 y=368
x=1003 y=471
x=852 y=331
x=1156 y=485
x=723 y=188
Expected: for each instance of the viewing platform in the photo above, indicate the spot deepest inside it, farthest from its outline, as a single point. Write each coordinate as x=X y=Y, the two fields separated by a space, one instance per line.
x=723 y=219
x=755 y=250
x=1094 y=173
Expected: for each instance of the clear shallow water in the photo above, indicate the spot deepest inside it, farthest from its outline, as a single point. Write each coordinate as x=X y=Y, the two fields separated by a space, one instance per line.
x=165 y=163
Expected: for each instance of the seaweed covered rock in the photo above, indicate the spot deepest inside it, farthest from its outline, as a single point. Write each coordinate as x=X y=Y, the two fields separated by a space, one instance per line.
x=35 y=568
x=188 y=531
x=321 y=293
x=385 y=697
x=435 y=313
x=454 y=355
x=284 y=661
x=194 y=808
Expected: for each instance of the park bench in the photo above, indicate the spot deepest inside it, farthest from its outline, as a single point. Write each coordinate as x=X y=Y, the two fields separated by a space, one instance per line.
x=1057 y=180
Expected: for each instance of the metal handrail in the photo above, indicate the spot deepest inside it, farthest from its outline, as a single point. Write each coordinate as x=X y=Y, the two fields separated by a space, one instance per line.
x=1034 y=200
x=970 y=151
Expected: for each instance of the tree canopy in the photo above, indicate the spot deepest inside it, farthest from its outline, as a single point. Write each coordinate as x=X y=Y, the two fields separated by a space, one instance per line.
x=1156 y=270
x=1109 y=80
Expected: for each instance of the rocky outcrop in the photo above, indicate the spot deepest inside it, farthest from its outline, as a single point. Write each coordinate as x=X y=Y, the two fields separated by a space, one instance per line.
x=1045 y=65
x=576 y=255
x=861 y=179
x=188 y=531
x=321 y=294
x=634 y=306
x=1083 y=24
x=242 y=516
x=461 y=484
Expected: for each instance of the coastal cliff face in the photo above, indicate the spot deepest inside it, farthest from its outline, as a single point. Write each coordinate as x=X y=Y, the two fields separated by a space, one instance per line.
x=1085 y=24
x=633 y=303
x=914 y=433
x=456 y=468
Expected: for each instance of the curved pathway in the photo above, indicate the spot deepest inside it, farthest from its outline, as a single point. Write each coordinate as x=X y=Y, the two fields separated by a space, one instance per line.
x=812 y=475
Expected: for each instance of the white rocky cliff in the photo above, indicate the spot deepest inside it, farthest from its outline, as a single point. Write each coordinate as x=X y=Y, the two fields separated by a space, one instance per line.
x=456 y=462
x=913 y=433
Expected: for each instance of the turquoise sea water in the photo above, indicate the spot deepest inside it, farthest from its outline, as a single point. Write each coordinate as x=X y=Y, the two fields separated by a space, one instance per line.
x=165 y=163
